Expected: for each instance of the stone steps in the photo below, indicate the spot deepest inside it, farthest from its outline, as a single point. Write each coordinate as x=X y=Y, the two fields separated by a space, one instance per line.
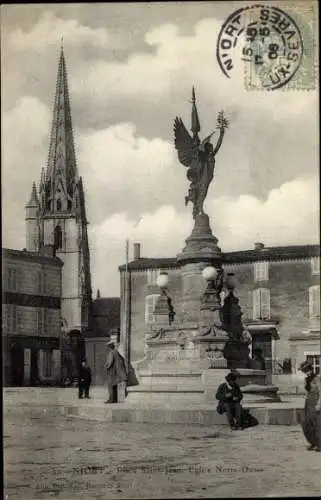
x=179 y=415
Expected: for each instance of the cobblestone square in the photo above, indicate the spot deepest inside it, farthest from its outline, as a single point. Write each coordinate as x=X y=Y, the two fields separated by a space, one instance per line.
x=50 y=456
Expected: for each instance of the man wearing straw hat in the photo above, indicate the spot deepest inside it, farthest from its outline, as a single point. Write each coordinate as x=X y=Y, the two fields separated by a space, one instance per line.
x=115 y=371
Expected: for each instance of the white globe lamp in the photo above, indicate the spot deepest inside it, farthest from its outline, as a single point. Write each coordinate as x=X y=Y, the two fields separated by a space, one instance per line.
x=209 y=273
x=162 y=281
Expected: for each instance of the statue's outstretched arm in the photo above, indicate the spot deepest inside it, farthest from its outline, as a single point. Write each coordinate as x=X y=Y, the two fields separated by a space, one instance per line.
x=219 y=141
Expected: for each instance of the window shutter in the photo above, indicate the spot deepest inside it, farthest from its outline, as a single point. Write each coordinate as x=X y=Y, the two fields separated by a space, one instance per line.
x=265 y=303
x=152 y=275
x=315 y=265
x=314 y=301
x=261 y=271
x=10 y=318
x=14 y=319
x=5 y=317
x=150 y=304
x=19 y=279
x=256 y=304
x=8 y=274
x=40 y=320
x=44 y=282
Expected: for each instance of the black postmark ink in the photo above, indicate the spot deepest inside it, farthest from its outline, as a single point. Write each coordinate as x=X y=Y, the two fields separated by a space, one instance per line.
x=267 y=40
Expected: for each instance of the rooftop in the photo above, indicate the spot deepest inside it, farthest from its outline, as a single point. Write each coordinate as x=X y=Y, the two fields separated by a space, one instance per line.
x=35 y=257
x=237 y=257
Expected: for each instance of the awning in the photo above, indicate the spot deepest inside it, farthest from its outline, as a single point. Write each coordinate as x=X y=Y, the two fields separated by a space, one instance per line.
x=263 y=327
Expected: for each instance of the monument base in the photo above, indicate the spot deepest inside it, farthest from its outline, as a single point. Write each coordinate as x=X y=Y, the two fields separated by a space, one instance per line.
x=185 y=362
x=182 y=366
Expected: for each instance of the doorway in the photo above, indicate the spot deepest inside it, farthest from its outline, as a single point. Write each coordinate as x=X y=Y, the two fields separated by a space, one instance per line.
x=263 y=341
x=17 y=365
x=34 y=369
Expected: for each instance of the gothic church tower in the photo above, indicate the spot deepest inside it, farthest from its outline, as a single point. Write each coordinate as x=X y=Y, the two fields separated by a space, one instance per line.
x=56 y=215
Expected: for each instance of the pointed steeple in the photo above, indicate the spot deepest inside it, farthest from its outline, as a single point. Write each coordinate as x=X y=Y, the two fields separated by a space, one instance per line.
x=62 y=168
x=34 y=201
x=195 y=127
x=98 y=294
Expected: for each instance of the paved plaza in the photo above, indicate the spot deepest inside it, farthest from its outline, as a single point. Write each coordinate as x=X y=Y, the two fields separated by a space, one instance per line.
x=48 y=455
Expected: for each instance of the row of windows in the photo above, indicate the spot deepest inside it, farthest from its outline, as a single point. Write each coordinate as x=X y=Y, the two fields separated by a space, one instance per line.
x=261 y=271
x=12 y=322
x=15 y=278
x=260 y=300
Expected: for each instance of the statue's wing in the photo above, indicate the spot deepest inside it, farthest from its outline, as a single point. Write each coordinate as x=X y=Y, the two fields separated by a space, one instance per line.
x=183 y=143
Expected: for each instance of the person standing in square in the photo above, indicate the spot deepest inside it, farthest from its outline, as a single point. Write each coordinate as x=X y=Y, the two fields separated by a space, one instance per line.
x=115 y=372
x=84 y=380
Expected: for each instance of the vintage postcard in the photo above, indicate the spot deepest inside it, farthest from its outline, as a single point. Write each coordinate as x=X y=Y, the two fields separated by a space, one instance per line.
x=161 y=250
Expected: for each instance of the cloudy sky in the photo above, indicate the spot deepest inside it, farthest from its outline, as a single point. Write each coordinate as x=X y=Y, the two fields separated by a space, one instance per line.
x=131 y=68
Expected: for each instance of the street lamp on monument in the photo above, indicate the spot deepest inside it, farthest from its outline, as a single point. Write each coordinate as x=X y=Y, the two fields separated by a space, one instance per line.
x=164 y=302
x=226 y=316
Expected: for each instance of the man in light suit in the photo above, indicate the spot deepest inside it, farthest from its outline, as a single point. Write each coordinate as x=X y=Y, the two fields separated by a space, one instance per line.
x=115 y=372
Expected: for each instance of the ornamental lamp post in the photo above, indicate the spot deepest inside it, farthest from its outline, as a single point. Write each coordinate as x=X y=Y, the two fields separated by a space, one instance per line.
x=211 y=296
x=164 y=302
x=209 y=273
x=162 y=282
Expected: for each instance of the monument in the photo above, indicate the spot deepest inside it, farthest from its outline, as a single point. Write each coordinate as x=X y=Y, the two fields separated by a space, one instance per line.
x=188 y=354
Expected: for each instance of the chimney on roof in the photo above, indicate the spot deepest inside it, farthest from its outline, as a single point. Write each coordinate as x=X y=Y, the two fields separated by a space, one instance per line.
x=258 y=246
x=136 y=251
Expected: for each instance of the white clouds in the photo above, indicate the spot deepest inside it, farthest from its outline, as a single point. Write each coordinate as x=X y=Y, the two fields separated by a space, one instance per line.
x=25 y=136
x=117 y=153
x=25 y=132
x=288 y=217
x=178 y=61
x=49 y=29
x=122 y=169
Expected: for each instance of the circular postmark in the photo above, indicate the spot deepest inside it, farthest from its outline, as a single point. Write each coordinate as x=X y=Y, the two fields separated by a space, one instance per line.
x=267 y=40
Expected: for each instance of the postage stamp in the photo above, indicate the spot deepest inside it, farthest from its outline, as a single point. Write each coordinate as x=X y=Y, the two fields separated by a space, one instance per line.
x=277 y=46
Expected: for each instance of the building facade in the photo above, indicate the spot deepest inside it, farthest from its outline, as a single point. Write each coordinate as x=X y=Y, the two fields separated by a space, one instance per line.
x=278 y=289
x=31 y=313
x=56 y=213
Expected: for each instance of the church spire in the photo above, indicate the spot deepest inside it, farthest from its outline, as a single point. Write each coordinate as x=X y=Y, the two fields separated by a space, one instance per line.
x=62 y=173
x=33 y=202
x=195 y=127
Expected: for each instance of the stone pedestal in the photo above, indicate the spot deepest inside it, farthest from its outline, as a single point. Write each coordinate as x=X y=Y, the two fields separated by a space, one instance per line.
x=185 y=361
x=200 y=251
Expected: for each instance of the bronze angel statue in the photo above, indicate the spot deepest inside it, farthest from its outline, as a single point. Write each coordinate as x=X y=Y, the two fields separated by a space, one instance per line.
x=197 y=156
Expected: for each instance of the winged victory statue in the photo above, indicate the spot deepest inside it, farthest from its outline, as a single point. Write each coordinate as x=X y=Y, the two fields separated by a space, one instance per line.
x=198 y=157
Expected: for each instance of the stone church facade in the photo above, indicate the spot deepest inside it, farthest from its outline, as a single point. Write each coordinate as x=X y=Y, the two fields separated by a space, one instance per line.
x=56 y=212
x=56 y=226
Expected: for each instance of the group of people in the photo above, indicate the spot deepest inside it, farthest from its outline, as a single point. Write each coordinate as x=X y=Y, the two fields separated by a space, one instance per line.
x=116 y=374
